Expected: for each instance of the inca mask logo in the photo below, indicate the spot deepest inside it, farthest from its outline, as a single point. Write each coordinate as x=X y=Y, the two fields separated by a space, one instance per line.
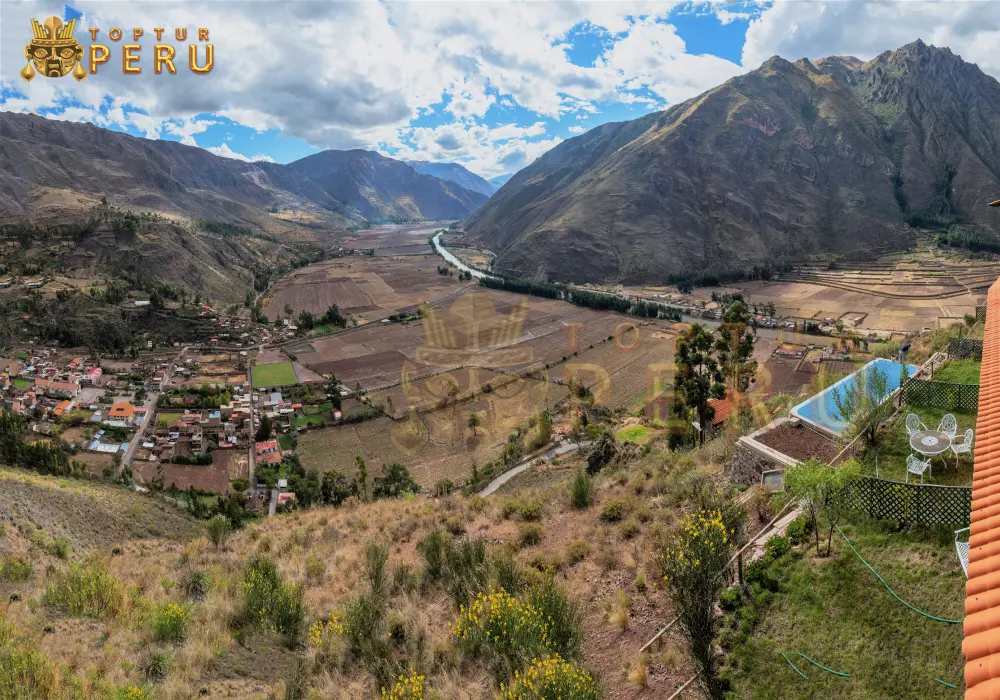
x=53 y=50
x=460 y=342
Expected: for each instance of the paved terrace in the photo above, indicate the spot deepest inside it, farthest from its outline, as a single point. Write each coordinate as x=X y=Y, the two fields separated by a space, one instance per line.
x=982 y=604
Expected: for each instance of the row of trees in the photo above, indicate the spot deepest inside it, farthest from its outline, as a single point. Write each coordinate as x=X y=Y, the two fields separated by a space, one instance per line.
x=601 y=301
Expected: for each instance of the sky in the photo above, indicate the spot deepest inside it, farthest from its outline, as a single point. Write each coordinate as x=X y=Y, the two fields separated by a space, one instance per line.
x=490 y=85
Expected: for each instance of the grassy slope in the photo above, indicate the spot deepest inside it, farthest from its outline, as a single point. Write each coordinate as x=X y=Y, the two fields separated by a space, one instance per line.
x=837 y=613
x=958 y=372
x=657 y=488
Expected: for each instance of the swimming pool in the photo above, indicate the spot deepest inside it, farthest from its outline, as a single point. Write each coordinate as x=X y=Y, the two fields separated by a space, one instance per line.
x=820 y=411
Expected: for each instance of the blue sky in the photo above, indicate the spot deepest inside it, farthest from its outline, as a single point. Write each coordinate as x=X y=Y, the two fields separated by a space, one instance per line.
x=492 y=85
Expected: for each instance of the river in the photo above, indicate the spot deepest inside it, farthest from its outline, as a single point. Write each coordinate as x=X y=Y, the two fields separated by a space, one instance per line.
x=455 y=261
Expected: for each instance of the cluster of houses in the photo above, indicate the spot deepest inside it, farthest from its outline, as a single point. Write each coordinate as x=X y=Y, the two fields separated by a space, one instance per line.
x=52 y=395
x=192 y=431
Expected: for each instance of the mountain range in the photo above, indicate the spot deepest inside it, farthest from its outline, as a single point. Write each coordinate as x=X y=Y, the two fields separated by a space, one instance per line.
x=455 y=172
x=49 y=169
x=834 y=157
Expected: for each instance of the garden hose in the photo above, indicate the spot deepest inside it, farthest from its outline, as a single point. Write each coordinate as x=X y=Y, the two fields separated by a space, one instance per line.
x=947 y=684
x=828 y=670
x=794 y=666
x=894 y=594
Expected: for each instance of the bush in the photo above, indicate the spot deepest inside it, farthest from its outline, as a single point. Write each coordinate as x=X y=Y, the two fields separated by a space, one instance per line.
x=269 y=601
x=24 y=667
x=531 y=511
x=758 y=572
x=62 y=547
x=409 y=687
x=88 y=590
x=155 y=668
x=196 y=584
x=15 y=570
x=577 y=551
x=562 y=615
x=502 y=630
x=218 y=530
x=552 y=678
x=315 y=569
x=777 y=546
x=630 y=529
x=530 y=534
x=730 y=598
x=580 y=489
x=798 y=530
x=170 y=623
x=615 y=510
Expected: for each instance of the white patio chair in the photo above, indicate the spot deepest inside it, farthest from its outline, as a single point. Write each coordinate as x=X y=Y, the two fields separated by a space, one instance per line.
x=964 y=447
x=949 y=425
x=916 y=467
x=962 y=549
x=913 y=424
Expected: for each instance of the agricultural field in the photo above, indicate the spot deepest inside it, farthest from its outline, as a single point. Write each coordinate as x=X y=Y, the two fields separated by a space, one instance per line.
x=436 y=444
x=277 y=374
x=365 y=287
x=218 y=368
x=495 y=330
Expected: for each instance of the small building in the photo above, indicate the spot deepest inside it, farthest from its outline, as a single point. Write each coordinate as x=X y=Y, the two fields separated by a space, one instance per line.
x=268 y=452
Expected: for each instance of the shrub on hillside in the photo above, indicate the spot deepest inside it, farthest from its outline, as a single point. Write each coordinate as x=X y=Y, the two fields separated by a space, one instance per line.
x=529 y=534
x=218 y=529
x=269 y=601
x=501 y=630
x=88 y=590
x=580 y=489
x=196 y=584
x=577 y=551
x=408 y=687
x=15 y=570
x=170 y=622
x=562 y=615
x=615 y=510
x=552 y=678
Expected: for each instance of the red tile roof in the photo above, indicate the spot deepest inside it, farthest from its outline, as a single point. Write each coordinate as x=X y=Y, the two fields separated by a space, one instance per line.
x=982 y=602
x=725 y=407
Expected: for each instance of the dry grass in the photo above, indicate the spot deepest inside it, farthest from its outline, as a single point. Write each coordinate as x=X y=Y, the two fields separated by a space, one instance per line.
x=324 y=551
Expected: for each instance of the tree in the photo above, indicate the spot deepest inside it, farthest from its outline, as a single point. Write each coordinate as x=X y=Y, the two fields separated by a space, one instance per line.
x=264 y=430
x=362 y=478
x=474 y=421
x=820 y=486
x=864 y=403
x=335 y=488
x=580 y=489
x=698 y=377
x=306 y=320
x=288 y=310
x=218 y=530
x=735 y=346
x=333 y=390
x=394 y=482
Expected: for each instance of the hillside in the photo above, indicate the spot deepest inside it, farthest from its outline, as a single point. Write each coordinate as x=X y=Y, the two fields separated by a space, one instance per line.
x=454 y=172
x=526 y=535
x=51 y=169
x=789 y=161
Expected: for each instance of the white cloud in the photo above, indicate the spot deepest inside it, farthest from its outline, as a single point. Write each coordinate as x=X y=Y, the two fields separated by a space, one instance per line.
x=488 y=152
x=576 y=129
x=187 y=128
x=226 y=152
x=654 y=56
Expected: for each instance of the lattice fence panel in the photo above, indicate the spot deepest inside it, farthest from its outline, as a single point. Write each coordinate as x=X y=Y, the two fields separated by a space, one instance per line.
x=963 y=348
x=980 y=314
x=902 y=502
x=942 y=395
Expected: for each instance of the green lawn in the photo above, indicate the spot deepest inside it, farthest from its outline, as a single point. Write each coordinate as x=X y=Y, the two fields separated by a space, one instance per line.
x=315 y=419
x=21 y=355
x=285 y=442
x=311 y=410
x=167 y=416
x=22 y=383
x=323 y=328
x=895 y=447
x=634 y=433
x=277 y=374
x=958 y=372
x=836 y=612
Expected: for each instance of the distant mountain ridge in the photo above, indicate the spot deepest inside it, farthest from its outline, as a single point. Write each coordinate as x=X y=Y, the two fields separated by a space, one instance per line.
x=500 y=180
x=52 y=168
x=454 y=172
x=792 y=160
